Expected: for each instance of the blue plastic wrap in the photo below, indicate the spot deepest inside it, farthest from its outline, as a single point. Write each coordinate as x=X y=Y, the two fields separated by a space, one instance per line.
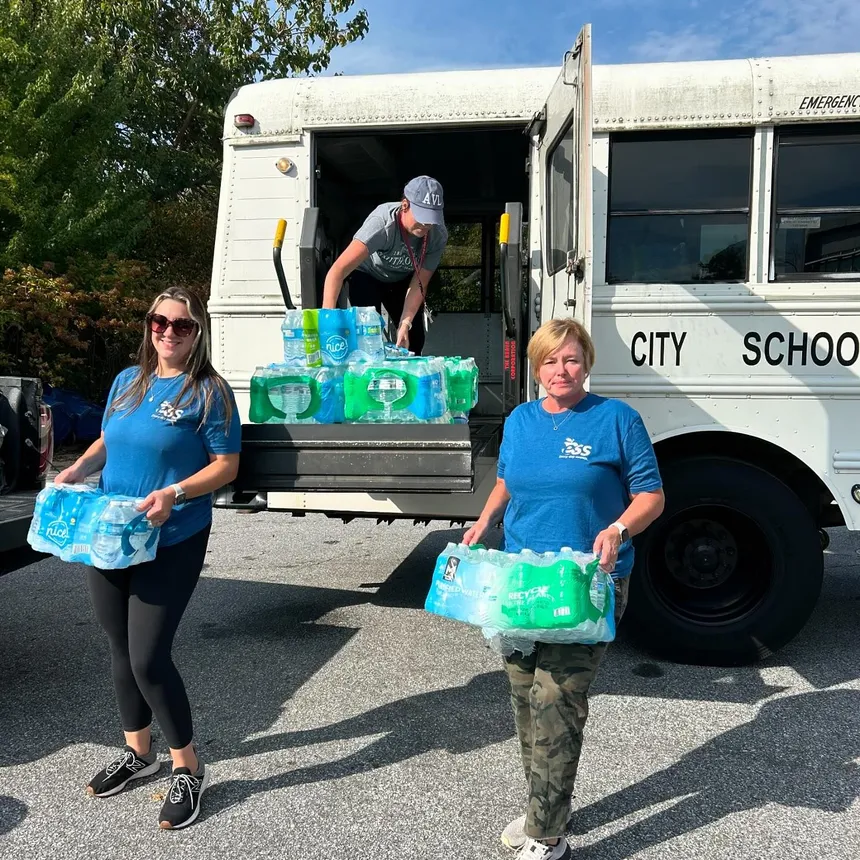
x=80 y=523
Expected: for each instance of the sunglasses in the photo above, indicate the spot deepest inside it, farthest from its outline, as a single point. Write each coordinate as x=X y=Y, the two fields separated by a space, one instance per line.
x=181 y=327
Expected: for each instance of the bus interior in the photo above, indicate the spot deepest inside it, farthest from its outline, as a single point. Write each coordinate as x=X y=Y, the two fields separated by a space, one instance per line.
x=481 y=170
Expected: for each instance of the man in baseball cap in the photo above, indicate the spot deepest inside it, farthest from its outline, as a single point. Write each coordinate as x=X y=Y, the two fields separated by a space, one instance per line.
x=392 y=257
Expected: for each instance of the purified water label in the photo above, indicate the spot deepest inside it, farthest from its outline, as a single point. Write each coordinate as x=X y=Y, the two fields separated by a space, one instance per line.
x=597 y=592
x=387 y=389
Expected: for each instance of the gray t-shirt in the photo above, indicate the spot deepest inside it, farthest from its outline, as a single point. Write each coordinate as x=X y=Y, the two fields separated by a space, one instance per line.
x=389 y=259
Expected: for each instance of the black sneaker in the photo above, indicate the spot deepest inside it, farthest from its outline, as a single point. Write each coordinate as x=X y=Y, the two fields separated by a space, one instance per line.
x=182 y=804
x=121 y=771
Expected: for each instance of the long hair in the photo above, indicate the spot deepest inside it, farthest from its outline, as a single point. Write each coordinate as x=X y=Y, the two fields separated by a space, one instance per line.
x=202 y=384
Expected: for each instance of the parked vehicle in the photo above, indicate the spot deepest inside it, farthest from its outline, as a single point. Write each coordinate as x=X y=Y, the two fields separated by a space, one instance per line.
x=26 y=451
x=701 y=219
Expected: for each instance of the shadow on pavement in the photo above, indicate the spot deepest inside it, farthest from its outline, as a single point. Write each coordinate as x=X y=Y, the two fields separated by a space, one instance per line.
x=12 y=813
x=799 y=751
x=459 y=720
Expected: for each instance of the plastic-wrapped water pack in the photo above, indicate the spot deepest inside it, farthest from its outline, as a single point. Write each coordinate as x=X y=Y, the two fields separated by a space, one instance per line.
x=80 y=523
x=522 y=598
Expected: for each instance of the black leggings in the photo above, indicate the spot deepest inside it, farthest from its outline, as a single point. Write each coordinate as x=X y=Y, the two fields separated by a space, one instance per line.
x=365 y=290
x=140 y=609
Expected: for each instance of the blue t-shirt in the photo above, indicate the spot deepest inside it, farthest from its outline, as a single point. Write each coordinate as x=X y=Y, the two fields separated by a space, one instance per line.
x=159 y=444
x=567 y=485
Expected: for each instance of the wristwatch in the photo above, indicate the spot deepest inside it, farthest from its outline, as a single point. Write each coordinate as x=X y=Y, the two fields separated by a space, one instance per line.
x=622 y=530
x=179 y=493
x=406 y=322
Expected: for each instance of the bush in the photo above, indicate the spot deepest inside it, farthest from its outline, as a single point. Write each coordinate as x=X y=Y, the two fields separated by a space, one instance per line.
x=76 y=330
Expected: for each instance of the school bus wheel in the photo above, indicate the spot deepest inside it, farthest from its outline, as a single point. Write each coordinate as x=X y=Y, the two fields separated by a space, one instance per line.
x=732 y=569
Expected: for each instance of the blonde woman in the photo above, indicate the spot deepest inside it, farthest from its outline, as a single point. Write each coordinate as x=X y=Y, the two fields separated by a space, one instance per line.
x=575 y=470
x=170 y=434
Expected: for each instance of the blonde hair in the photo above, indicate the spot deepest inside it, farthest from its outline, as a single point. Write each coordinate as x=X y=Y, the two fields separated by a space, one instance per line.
x=202 y=381
x=551 y=335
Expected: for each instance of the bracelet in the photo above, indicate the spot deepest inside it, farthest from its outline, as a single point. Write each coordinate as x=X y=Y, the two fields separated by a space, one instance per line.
x=406 y=322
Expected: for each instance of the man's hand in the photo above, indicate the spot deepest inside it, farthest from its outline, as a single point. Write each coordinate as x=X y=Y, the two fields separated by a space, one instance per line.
x=403 y=335
x=158 y=505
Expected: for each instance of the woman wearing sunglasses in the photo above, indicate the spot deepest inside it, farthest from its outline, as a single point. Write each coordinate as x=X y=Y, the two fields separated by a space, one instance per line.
x=171 y=434
x=392 y=257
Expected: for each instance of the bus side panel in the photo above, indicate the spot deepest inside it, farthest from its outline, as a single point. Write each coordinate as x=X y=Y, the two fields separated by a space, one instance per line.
x=246 y=304
x=735 y=364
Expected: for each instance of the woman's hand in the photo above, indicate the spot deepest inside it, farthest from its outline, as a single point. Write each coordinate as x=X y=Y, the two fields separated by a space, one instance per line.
x=606 y=546
x=476 y=534
x=75 y=474
x=403 y=335
x=158 y=505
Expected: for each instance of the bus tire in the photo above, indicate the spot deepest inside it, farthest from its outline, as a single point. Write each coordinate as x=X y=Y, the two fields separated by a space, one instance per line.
x=732 y=569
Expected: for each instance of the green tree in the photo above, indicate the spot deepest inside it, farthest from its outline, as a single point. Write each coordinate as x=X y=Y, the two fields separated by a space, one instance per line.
x=111 y=112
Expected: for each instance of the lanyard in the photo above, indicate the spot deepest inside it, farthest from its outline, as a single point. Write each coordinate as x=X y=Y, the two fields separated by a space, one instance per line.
x=416 y=264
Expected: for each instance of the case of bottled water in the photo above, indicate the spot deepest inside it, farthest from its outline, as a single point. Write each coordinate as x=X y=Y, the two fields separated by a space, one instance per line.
x=80 y=523
x=288 y=394
x=403 y=391
x=522 y=598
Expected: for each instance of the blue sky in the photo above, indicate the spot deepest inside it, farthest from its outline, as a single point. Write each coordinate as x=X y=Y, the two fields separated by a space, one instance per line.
x=406 y=35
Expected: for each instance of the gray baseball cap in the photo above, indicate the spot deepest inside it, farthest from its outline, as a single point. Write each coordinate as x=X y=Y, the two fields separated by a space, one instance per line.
x=425 y=199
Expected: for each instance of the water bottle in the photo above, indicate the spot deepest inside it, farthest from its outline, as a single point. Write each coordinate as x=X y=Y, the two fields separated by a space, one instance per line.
x=59 y=511
x=292 y=395
x=336 y=331
x=393 y=352
x=310 y=326
x=331 y=408
x=374 y=392
x=461 y=381
x=286 y=394
x=367 y=324
x=294 y=340
x=106 y=546
x=430 y=405
x=462 y=584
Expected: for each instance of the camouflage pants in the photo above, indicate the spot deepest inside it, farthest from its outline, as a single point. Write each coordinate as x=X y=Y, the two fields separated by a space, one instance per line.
x=549 y=694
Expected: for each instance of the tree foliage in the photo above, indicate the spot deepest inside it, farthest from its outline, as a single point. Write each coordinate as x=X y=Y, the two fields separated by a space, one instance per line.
x=75 y=330
x=111 y=111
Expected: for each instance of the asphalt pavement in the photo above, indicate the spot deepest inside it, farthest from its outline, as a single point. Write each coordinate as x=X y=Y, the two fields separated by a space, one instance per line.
x=340 y=720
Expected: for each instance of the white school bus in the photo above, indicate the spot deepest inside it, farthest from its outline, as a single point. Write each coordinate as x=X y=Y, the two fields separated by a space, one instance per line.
x=701 y=219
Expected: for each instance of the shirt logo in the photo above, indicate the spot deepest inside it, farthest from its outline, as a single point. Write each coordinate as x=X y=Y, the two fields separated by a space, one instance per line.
x=396 y=259
x=572 y=450
x=167 y=412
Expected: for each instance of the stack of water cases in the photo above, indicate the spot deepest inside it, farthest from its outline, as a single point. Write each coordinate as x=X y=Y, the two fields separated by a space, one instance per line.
x=337 y=368
x=77 y=522
x=560 y=597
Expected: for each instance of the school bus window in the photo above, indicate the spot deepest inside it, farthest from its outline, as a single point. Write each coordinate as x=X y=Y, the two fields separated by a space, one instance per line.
x=817 y=203
x=560 y=195
x=679 y=207
x=456 y=284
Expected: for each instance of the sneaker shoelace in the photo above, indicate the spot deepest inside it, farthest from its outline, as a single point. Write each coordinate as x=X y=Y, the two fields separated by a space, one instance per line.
x=182 y=783
x=534 y=850
x=127 y=758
